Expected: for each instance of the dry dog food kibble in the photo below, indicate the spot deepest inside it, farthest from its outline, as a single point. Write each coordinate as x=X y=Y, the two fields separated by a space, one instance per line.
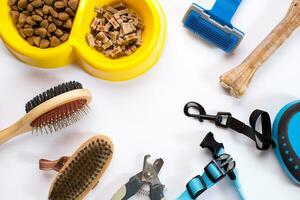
x=43 y=23
x=116 y=31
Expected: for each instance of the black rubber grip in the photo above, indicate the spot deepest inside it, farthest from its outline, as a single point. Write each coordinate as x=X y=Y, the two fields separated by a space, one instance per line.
x=156 y=192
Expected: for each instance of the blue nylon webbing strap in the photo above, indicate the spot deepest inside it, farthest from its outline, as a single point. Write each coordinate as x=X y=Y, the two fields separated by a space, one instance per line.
x=200 y=184
x=224 y=10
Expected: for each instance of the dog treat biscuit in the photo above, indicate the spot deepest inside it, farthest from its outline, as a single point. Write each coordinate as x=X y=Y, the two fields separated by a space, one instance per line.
x=116 y=31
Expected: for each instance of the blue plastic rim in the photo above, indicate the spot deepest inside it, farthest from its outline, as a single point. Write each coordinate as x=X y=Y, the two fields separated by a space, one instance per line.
x=286 y=134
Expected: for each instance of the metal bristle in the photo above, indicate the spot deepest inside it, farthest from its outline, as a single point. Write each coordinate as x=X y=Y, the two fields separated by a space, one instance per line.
x=60 y=118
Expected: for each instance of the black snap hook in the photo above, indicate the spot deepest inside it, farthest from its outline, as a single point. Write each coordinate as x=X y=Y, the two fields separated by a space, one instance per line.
x=195 y=110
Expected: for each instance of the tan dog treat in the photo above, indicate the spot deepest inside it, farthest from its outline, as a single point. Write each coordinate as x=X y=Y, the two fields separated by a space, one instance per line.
x=58 y=32
x=46 y=9
x=131 y=38
x=37 y=3
x=68 y=24
x=107 y=45
x=116 y=31
x=126 y=28
x=59 y=4
x=95 y=23
x=44 y=43
x=51 y=28
x=57 y=22
x=28 y=31
x=64 y=37
x=118 y=5
x=22 y=18
x=30 y=40
x=63 y=16
x=73 y=4
x=41 y=32
x=112 y=20
x=39 y=12
x=49 y=2
x=15 y=16
x=114 y=36
x=70 y=12
x=54 y=41
x=44 y=23
x=12 y=2
x=37 y=18
x=22 y=4
x=91 y=40
x=53 y=13
x=29 y=8
x=107 y=27
x=103 y=37
x=37 y=40
x=118 y=18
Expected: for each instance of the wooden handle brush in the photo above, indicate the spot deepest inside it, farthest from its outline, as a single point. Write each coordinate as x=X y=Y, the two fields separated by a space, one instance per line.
x=51 y=111
x=238 y=79
x=81 y=172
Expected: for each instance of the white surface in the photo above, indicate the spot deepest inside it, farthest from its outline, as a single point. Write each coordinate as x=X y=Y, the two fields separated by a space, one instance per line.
x=145 y=115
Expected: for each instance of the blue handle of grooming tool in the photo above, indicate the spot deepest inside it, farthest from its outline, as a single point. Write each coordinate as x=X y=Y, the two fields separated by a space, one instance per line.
x=224 y=10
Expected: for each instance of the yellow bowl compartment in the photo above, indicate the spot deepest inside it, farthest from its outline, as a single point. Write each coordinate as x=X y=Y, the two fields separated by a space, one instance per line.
x=77 y=48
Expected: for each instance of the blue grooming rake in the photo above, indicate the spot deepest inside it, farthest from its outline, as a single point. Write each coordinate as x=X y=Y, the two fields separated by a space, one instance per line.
x=215 y=25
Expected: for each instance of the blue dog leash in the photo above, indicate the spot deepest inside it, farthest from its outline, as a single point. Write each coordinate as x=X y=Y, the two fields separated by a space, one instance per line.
x=220 y=167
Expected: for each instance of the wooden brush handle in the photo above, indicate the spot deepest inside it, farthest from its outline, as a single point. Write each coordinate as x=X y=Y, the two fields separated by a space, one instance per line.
x=238 y=79
x=57 y=165
x=14 y=130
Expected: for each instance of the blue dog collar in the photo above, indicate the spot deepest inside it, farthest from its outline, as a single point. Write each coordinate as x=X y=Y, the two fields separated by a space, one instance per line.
x=220 y=167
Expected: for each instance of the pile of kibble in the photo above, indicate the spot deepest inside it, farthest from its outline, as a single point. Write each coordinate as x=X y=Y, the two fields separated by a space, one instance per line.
x=116 y=31
x=43 y=23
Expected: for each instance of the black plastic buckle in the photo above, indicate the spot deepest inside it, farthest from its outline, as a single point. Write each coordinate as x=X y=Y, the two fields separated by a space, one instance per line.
x=196 y=193
x=224 y=164
x=223 y=119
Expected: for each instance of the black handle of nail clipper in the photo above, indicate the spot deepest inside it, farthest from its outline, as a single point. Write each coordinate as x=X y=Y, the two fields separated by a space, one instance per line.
x=156 y=192
x=129 y=189
x=210 y=143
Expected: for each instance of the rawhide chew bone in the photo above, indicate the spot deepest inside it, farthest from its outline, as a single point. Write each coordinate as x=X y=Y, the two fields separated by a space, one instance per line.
x=238 y=79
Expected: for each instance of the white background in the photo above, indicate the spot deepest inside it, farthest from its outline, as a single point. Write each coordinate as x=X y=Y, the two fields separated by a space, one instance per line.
x=145 y=115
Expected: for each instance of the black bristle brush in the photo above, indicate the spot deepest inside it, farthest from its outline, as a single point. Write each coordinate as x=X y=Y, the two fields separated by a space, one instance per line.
x=51 y=111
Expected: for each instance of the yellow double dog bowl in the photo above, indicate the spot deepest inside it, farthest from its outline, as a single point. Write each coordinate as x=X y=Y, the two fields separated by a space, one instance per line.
x=77 y=50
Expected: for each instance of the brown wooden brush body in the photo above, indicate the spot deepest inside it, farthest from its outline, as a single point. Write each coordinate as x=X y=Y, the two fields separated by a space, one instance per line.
x=24 y=124
x=48 y=165
x=238 y=79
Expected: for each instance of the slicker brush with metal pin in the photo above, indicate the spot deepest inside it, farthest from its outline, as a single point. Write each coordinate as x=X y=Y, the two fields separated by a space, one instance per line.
x=81 y=172
x=51 y=111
